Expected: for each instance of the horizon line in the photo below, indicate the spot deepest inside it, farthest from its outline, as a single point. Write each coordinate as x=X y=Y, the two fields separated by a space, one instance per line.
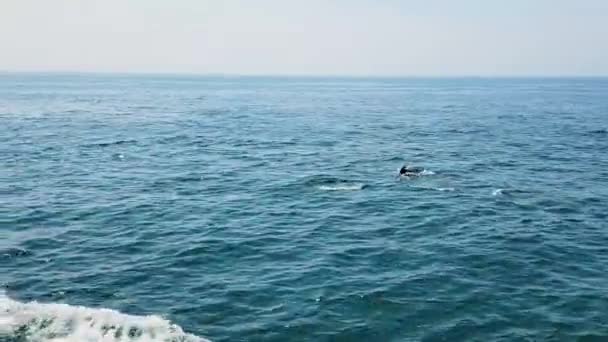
x=293 y=75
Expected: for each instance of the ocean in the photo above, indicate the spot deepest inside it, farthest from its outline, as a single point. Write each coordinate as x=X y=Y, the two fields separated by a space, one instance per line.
x=191 y=208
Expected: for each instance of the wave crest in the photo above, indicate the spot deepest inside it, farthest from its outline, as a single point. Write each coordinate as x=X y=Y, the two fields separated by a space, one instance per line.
x=38 y=322
x=329 y=183
x=342 y=187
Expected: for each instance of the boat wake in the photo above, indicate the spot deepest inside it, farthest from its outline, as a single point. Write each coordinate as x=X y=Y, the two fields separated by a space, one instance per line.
x=38 y=322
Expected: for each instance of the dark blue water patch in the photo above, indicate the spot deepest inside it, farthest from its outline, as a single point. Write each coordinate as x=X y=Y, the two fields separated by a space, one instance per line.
x=112 y=143
x=326 y=181
x=598 y=131
x=14 y=252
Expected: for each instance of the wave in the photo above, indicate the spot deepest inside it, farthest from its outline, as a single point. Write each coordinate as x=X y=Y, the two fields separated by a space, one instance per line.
x=10 y=253
x=511 y=192
x=40 y=322
x=448 y=189
x=112 y=143
x=342 y=187
x=329 y=183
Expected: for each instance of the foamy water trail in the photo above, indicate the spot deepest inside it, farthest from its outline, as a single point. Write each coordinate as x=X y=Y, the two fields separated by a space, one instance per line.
x=342 y=187
x=38 y=322
x=432 y=188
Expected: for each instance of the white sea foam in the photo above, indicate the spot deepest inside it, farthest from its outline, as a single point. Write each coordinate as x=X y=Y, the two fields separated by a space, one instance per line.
x=342 y=187
x=497 y=192
x=431 y=188
x=38 y=322
x=414 y=174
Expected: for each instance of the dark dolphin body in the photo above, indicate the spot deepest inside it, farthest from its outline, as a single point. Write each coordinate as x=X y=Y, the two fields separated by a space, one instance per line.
x=409 y=171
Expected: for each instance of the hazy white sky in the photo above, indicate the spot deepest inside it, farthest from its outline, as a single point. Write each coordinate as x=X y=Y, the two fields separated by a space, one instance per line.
x=311 y=37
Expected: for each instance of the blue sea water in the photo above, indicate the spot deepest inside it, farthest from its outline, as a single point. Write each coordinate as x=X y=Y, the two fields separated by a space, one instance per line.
x=175 y=208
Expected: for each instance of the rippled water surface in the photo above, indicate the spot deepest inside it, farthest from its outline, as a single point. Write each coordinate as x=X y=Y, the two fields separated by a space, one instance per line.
x=157 y=208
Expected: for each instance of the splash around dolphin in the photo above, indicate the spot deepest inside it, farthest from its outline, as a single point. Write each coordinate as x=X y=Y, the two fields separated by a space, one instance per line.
x=407 y=171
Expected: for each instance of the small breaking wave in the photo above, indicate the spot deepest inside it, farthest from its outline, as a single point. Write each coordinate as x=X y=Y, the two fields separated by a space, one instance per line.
x=328 y=183
x=447 y=189
x=511 y=192
x=342 y=187
x=39 y=322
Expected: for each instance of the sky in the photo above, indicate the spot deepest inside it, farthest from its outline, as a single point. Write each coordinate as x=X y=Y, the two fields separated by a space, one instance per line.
x=307 y=37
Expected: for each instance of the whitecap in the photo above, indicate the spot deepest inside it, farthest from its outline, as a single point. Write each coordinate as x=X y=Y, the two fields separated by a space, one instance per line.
x=411 y=175
x=40 y=322
x=497 y=192
x=431 y=188
x=342 y=187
